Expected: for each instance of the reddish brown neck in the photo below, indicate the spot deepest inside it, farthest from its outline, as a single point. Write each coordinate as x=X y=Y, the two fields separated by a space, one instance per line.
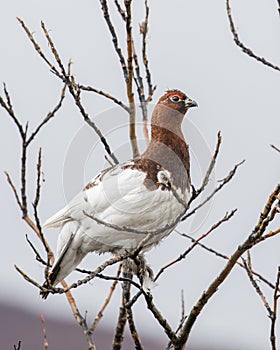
x=168 y=147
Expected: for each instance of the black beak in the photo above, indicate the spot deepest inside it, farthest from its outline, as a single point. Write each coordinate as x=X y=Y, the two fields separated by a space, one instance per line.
x=190 y=103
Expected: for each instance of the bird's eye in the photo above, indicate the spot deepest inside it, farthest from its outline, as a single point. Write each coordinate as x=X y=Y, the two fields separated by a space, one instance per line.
x=175 y=98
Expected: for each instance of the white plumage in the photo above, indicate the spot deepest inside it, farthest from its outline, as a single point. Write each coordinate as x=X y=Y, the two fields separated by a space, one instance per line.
x=116 y=196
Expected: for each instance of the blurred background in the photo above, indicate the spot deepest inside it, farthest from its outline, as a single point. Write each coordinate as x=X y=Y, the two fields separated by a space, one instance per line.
x=191 y=48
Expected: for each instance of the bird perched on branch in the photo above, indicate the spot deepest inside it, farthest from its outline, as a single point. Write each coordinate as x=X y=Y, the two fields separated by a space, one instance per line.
x=114 y=212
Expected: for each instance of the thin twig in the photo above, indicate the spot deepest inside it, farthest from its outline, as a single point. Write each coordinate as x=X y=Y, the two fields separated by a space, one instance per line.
x=227 y=217
x=106 y=302
x=89 y=121
x=210 y=167
x=182 y=320
x=37 y=255
x=113 y=33
x=54 y=51
x=274 y=147
x=223 y=182
x=9 y=108
x=130 y=229
x=105 y=94
x=10 y=182
x=257 y=288
x=141 y=96
x=38 y=48
x=18 y=346
x=144 y=31
x=49 y=116
x=244 y=48
x=223 y=256
x=120 y=10
x=45 y=343
x=275 y=307
x=161 y=320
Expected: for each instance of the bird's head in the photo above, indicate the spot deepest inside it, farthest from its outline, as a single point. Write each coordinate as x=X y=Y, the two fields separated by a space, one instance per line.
x=177 y=100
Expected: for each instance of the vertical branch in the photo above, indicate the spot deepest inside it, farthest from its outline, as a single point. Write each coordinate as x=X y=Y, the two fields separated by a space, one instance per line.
x=111 y=28
x=274 y=315
x=144 y=31
x=141 y=95
x=129 y=80
x=126 y=314
x=45 y=342
x=118 y=338
x=36 y=216
x=133 y=331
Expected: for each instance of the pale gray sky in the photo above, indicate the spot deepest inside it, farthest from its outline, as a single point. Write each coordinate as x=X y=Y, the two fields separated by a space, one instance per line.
x=190 y=48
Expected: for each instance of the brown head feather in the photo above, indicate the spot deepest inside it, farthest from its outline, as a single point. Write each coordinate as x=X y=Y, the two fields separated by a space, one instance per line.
x=168 y=148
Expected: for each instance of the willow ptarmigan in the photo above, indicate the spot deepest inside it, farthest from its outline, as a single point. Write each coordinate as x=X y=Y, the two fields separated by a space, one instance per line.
x=145 y=194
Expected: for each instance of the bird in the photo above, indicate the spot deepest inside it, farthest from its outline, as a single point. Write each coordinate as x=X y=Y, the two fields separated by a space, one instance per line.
x=147 y=193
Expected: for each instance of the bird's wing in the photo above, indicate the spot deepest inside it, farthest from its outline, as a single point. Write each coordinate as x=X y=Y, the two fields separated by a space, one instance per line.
x=119 y=196
x=105 y=190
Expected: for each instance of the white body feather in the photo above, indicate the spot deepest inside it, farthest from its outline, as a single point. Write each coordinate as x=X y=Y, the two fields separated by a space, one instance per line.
x=116 y=196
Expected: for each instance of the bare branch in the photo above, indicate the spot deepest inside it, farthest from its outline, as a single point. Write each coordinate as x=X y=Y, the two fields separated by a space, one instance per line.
x=129 y=80
x=211 y=166
x=227 y=217
x=120 y=10
x=37 y=47
x=107 y=300
x=274 y=314
x=37 y=255
x=274 y=147
x=10 y=182
x=9 y=108
x=54 y=50
x=182 y=320
x=89 y=121
x=113 y=33
x=104 y=94
x=144 y=31
x=223 y=182
x=161 y=320
x=18 y=346
x=257 y=288
x=244 y=48
x=118 y=338
x=45 y=343
x=141 y=95
x=130 y=229
x=27 y=278
x=223 y=256
x=49 y=116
